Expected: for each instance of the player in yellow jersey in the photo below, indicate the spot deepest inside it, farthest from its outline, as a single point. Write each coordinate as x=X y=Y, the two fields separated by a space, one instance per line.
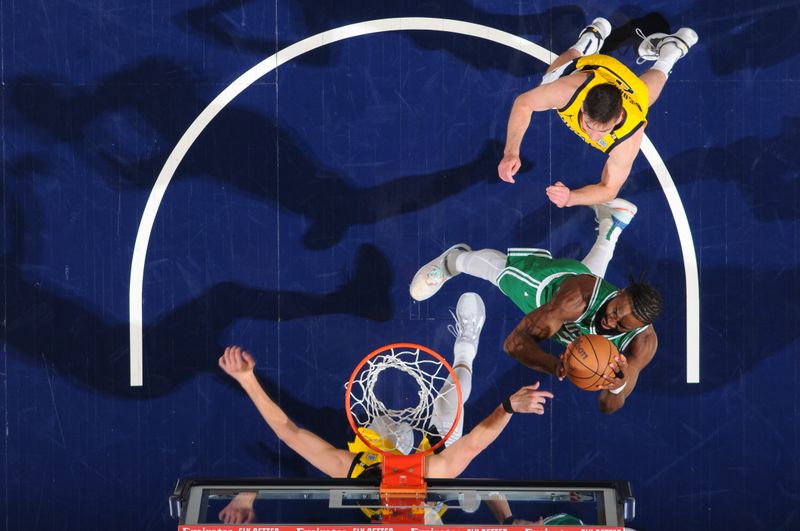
x=601 y=101
x=458 y=452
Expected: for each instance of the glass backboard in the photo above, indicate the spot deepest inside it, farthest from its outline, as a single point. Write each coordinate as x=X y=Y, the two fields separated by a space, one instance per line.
x=459 y=502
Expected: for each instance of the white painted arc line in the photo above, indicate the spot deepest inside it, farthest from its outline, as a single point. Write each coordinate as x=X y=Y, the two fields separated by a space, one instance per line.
x=287 y=54
x=691 y=272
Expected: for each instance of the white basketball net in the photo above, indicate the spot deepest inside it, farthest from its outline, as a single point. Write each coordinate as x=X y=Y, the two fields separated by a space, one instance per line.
x=397 y=426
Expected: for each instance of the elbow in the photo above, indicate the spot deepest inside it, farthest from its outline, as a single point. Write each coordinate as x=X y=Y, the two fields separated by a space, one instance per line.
x=475 y=447
x=610 y=406
x=608 y=410
x=608 y=193
x=286 y=432
x=521 y=106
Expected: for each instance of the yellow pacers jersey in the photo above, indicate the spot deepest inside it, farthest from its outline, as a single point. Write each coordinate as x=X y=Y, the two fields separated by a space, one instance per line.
x=606 y=69
x=368 y=459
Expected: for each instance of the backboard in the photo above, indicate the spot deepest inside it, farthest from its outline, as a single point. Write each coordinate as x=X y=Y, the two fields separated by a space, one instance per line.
x=348 y=504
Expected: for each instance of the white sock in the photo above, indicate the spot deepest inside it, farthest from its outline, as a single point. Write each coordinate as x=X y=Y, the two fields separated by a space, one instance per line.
x=665 y=67
x=667 y=57
x=603 y=249
x=464 y=352
x=587 y=44
x=444 y=407
x=486 y=264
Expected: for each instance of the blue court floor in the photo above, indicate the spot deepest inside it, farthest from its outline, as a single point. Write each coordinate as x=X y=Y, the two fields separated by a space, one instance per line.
x=303 y=204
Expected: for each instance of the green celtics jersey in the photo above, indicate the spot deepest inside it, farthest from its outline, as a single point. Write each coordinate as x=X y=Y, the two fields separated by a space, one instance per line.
x=531 y=279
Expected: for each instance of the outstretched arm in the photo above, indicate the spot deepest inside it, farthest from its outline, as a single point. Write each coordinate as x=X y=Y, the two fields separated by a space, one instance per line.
x=640 y=352
x=542 y=98
x=615 y=173
x=332 y=461
x=455 y=458
x=567 y=305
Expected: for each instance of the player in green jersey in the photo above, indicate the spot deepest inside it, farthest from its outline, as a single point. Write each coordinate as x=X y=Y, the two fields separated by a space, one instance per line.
x=564 y=299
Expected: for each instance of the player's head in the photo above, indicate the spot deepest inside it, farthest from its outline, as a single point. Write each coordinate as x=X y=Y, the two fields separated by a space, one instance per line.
x=602 y=110
x=636 y=306
x=646 y=301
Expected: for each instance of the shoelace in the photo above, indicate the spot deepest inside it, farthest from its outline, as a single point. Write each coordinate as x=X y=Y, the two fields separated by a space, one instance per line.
x=468 y=330
x=645 y=38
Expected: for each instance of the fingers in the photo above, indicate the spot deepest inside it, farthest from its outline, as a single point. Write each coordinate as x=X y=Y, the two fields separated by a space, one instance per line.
x=228 y=357
x=232 y=517
x=227 y=516
x=619 y=362
x=617 y=367
x=531 y=400
x=507 y=175
x=557 y=197
x=508 y=167
x=561 y=370
x=558 y=193
x=236 y=360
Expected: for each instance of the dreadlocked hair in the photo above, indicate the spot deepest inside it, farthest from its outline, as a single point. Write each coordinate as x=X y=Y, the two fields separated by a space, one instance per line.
x=646 y=302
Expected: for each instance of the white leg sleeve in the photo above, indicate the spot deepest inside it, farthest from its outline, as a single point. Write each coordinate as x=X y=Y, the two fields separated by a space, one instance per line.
x=600 y=255
x=444 y=407
x=486 y=264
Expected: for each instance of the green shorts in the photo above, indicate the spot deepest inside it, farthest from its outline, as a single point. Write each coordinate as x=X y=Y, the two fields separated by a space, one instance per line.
x=532 y=276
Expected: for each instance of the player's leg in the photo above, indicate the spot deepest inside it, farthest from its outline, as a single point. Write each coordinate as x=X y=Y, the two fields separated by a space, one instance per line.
x=470 y=316
x=612 y=218
x=665 y=50
x=460 y=258
x=486 y=264
x=590 y=40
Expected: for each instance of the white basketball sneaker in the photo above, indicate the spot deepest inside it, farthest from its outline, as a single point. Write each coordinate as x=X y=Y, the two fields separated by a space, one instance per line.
x=470 y=316
x=613 y=217
x=658 y=44
x=592 y=37
x=430 y=277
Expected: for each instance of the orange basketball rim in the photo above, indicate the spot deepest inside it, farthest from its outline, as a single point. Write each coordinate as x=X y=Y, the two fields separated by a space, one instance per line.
x=403 y=479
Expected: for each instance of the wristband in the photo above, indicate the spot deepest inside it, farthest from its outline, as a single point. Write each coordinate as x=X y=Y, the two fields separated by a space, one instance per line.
x=618 y=390
x=507 y=406
x=509 y=520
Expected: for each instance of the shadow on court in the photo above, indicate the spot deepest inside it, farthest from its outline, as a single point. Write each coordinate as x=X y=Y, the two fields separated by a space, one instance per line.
x=254 y=144
x=218 y=20
x=90 y=350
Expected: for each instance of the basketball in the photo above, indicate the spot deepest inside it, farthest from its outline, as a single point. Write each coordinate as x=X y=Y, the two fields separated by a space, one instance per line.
x=587 y=359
